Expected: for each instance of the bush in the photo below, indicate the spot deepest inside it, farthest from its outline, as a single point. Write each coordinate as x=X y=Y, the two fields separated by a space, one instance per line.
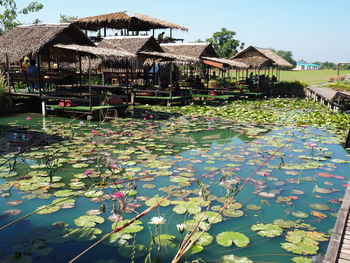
x=289 y=88
x=342 y=86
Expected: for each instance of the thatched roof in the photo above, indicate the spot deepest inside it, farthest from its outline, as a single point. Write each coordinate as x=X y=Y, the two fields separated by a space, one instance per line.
x=95 y=52
x=125 y=20
x=226 y=62
x=131 y=44
x=170 y=57
x=30 y=40
x=194 y=50
x=255 y=61
x=251 y=53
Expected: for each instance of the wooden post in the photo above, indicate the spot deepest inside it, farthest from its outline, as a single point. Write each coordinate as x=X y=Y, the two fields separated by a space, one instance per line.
x=338 y=69
x=347 y=143
x=90 y=90
x=80 y=72
x=43 y=108
x=38 y=62
x=171 y=35
x=105 y=31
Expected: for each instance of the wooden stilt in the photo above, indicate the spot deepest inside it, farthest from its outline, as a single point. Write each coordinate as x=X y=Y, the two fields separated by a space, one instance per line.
x=347 y=143
x=90 y=90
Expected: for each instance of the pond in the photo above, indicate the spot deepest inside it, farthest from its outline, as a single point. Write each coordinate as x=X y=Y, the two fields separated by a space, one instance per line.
x=250 y=193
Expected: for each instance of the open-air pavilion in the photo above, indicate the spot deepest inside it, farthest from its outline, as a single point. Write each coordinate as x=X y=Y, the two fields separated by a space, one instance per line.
x=127 y=23
x=264 y=66
x=51 y=46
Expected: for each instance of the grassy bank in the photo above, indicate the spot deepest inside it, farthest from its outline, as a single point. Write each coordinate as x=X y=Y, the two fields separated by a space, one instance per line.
x=311 y=77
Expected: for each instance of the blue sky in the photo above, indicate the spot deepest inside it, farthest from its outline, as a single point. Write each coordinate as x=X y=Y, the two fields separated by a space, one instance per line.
x=314 y=30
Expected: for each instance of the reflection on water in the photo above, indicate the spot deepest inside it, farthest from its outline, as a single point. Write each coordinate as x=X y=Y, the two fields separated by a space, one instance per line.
x=200 y=162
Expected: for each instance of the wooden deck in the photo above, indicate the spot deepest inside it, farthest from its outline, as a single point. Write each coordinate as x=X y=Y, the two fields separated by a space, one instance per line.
x=336 y=100
x=339 y=245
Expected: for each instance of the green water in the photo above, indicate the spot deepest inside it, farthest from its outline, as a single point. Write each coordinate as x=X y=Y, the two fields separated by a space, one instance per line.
x=174 y=151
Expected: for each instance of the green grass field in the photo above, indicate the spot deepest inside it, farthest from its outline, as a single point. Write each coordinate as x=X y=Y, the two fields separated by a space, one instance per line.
x=311 y=77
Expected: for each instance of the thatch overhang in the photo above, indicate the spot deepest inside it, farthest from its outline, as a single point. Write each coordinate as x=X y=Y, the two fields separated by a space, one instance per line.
x=224 y=63
x=93 y=52
x=125 y=20
x=30 y=40
x=251 y=53
x=254 y=62
x=194 y=50
x=131 y=44
x=169 y=57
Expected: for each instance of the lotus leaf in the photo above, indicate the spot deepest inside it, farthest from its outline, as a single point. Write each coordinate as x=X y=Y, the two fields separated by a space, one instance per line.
x=253 y=207
x=165 y=240
x=267 y=230
x=210 y=216
x=301 y=248
x=300 y=214
x=321 y=207
x=301 y=260
x=284 y=223
x=227 y=238
x=152 y=201
x=43 y=210
x=88 y=221
x=195 y=249
x=93 y=193
x=133 y=228
x=234 y=259
x=80 y=165
x=64 y=193
x=204 y=240
x=233 y=213
x=190 y=207
x=191 y=224
x=319 y=214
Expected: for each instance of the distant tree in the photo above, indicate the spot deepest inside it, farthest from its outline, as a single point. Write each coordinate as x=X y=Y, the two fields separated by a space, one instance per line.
x=225 y=44
x=8 y=17
x=287 y=55
x=67 y=19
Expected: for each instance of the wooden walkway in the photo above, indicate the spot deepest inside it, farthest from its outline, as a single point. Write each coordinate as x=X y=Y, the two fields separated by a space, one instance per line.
x=339 y=245
x=335 y=100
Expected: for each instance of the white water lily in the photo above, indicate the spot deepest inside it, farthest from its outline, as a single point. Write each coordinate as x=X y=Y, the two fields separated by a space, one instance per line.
x=157 y=220
x=181 y=228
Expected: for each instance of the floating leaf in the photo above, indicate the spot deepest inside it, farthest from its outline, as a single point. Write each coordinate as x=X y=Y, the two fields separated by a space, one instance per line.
x=301 y=260
x=321 y=207
x=234 y=259
x=284 y=223
x=267 y=230
x=227 y=238
x=152 y=201
x=195 y=249
x=165 y=240
x=88 y=221
x=253 y=207
x=43 y=210
x=300 y=214
x=133 y=228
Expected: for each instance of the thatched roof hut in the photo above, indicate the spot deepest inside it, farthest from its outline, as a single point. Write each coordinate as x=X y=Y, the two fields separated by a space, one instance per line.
x=131 y=44
x=34 y=39
x=194 y=50
x=260 y=57
x=125 y=20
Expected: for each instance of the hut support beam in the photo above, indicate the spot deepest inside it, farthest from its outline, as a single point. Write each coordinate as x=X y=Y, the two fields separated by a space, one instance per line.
x=90 y=90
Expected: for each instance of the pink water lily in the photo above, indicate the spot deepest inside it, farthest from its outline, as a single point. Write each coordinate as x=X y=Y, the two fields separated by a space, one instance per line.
x=118 y=195
x=93 y=131
x=311 y=144
x=264 y=174
x=87 y=172
x=28 y=118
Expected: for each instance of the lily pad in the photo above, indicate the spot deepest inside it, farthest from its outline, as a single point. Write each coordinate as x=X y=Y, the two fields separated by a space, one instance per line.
x=267 y=230
x=152 y=201
x=253 y=207
x=43 y=210
x=165 y=240
x=235 y=259
x=300 y=214
x=227 y=238
x=88 y=221
x=321 y=207
x=133 y=228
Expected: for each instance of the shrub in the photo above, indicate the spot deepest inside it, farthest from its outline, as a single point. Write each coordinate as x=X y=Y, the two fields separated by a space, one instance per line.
x=289 y=88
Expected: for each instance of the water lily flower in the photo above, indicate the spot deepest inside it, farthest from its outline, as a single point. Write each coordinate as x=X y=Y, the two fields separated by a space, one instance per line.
x=114 y=166
x=131 y=122
x=311 y=144
x=265 y=174
x=87 y=172
x=212 y=118
x=157 y=220
x=181 y=228
x=93 y=131
x=151 y=117
x=28 y=118
x=293 y=197
x=118 y=195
